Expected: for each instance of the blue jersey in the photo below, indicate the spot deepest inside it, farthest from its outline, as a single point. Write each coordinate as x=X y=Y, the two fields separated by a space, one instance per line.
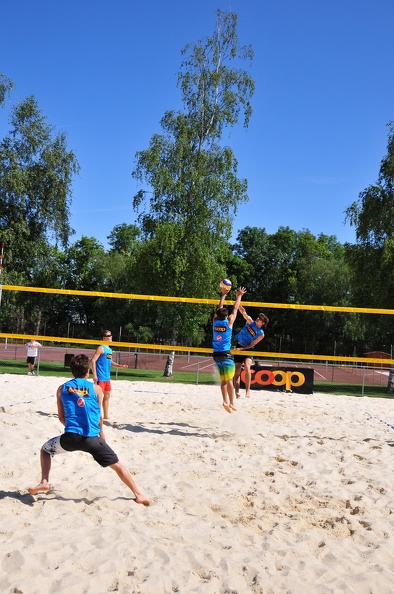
x=81 y=408
x=103 y=365
x=248 y=333
x=221 y=339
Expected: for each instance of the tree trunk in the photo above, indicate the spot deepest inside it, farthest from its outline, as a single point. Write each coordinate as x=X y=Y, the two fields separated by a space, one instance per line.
x=38 y=321
x=390 y=381
x=169 y=363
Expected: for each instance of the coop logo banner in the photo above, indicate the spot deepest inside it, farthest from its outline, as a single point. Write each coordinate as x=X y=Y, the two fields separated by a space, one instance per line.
x=284 y=378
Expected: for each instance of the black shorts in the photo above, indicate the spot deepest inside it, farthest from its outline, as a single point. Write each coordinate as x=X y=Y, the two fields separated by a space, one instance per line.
x=241 y=358
x=31 y=360
x=96 y=446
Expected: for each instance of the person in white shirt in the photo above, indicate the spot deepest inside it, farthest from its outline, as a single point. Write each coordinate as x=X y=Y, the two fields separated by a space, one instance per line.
x=32 y=352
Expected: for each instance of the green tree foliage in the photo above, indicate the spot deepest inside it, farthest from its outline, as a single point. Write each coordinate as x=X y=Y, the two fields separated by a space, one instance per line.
x=119 y=276
x=186 y=217
x=124 y=238
x=290 y=267
x=89 y=267
x=6 y=86
x=84 y=271
x=372 y=257
x=36 y=171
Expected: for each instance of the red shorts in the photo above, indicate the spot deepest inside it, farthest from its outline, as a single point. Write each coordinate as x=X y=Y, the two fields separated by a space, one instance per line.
x=105 y=386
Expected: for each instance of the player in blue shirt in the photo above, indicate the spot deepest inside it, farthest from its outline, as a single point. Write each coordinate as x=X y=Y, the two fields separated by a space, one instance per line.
x=79 y=405
x=101 y=368
x=247 y=338
x=222 y=330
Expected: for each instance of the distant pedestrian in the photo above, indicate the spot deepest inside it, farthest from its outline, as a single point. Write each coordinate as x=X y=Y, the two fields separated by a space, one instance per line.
x=32 y=352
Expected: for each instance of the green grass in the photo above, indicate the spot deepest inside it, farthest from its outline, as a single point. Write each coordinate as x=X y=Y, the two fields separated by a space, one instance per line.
x=186 y=377
x=134 y=375
x=352 y=390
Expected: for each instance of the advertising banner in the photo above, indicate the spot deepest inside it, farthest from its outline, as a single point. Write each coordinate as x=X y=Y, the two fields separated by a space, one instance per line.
x=283 y=379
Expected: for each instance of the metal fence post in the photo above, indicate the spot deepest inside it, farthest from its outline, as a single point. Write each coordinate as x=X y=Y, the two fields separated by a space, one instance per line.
x=38 y=362
x=117 y=360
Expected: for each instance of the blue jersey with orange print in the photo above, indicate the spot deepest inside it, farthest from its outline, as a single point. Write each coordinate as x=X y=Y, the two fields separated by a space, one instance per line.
x=103 y=364
x=81 y=408
x=221 y=338
x=248 y=333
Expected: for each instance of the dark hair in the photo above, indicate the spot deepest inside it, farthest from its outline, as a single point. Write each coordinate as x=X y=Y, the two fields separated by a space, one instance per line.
x=104 y=332
x=263 y=318
x=222 y=313
x=79 y=365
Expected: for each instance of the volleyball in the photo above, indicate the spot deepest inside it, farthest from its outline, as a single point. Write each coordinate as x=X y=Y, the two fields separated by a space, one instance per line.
x=226 y=284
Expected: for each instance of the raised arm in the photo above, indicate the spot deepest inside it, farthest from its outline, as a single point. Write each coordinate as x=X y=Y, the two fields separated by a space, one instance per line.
x=225 y=292
x=238 y=296
x=248 y=319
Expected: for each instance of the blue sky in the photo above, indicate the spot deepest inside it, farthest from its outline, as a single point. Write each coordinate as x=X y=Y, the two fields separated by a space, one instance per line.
x=105 y=73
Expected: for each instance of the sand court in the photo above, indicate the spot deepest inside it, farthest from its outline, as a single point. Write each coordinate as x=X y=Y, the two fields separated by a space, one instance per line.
x=290 y=494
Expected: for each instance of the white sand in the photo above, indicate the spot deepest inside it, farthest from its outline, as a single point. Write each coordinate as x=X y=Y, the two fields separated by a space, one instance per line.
x=291 y=494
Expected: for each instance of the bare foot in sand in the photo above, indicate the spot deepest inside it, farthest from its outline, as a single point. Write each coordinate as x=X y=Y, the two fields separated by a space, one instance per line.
x=43 y=486
x=143 y=500
x=247 y=395
x=226 y=407
x=238 y=395
x=232 y=407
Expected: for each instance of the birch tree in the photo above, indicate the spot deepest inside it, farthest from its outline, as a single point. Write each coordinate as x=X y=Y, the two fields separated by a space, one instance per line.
x=193 y=190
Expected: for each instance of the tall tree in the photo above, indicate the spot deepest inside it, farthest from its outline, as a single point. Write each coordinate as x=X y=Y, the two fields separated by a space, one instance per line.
x=6 y=86
x=195 y=191
x=372 y=258
x=36 y=171
x=84 y=271
x=295 y=267
x=124 y=238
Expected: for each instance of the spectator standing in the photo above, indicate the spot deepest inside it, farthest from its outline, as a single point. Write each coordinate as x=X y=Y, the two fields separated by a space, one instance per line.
x=32 y=352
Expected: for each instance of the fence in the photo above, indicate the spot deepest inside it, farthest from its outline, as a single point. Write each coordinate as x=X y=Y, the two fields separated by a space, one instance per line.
x=195 y=364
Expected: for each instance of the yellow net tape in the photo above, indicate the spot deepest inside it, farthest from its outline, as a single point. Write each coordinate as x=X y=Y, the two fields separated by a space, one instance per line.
x=262 y=304
x=156 y=347
x=187 y=349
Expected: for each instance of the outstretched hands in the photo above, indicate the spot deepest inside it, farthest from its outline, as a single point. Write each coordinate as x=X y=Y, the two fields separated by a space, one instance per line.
x=225 y=290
